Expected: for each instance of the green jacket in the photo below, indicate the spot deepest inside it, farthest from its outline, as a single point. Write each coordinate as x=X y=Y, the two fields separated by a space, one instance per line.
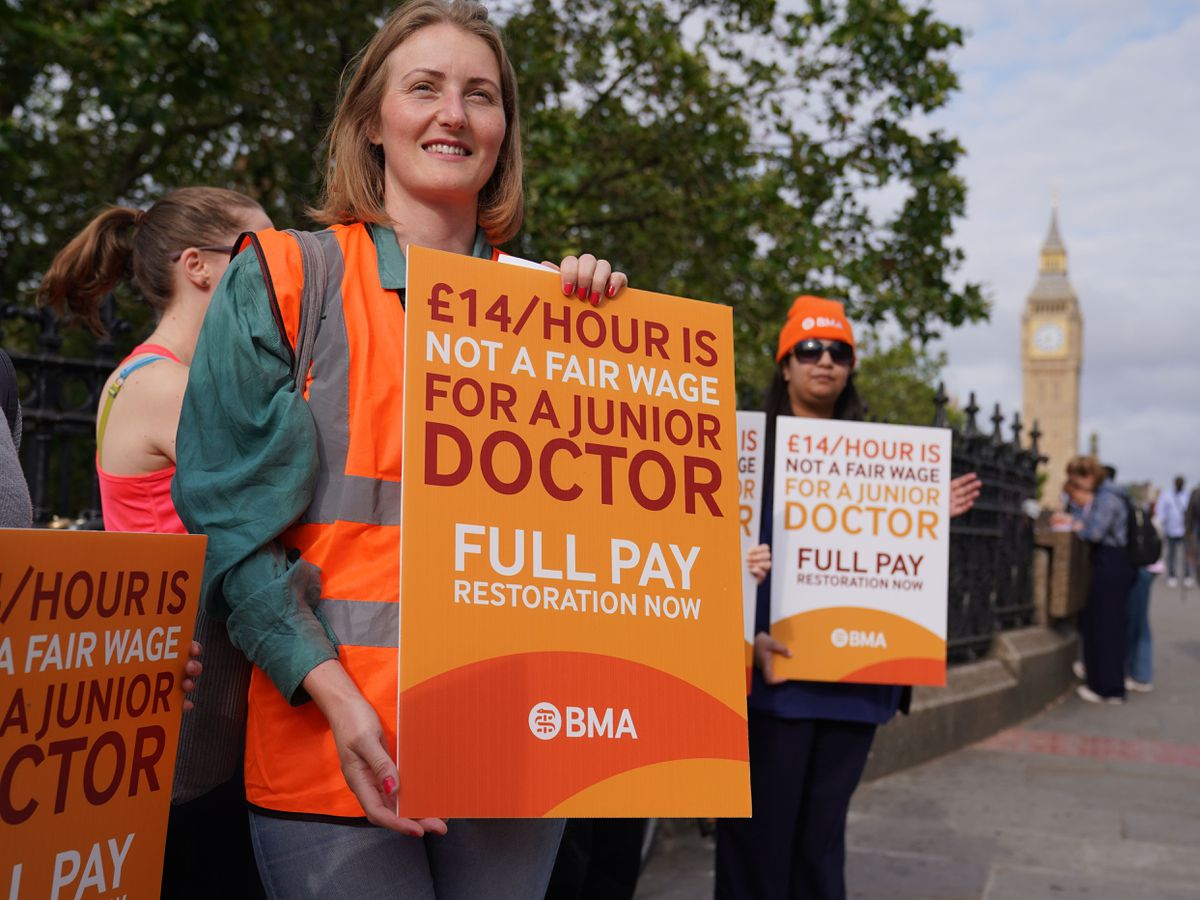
x=246 y=460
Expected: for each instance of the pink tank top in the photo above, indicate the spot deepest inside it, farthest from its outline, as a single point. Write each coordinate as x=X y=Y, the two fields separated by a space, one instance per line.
x=139 y=502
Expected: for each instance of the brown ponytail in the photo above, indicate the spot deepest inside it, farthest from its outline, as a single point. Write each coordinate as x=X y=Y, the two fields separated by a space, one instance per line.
x=123 y=243
x=90 y=266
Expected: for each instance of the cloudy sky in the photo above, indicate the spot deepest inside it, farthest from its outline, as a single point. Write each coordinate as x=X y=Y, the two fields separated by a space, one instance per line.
x=1098 y=101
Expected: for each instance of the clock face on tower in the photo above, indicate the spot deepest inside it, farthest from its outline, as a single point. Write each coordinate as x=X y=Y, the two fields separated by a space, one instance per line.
x=1049 y=338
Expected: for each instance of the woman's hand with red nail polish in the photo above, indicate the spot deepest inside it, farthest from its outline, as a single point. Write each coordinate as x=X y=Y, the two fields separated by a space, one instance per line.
x=593 y=278
x=568 y=271
x=367 y=763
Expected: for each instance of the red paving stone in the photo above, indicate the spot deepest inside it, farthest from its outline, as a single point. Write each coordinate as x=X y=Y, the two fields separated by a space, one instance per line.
x=1093 y=746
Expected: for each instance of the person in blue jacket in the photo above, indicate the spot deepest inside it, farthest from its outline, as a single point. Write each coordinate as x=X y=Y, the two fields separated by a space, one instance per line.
x=808 y=741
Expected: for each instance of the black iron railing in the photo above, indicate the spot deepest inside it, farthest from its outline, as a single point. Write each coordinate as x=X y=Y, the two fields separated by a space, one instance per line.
x=59 y=395
x=991 y=547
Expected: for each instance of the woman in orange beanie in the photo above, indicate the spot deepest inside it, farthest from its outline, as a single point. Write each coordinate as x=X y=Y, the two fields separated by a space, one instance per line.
x=808 y=741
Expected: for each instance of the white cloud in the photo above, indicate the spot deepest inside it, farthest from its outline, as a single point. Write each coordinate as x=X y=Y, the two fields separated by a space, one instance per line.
x=1099 y=100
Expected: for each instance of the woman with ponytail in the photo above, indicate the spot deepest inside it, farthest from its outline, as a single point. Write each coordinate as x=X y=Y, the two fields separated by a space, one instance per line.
x=173 y=254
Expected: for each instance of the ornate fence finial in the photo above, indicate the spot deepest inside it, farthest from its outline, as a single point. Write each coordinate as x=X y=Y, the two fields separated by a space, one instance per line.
x=1034 y=437
x=997 y=420
x=940 y=419
x=971 y=409
x=113 y=324
x=1017 y=428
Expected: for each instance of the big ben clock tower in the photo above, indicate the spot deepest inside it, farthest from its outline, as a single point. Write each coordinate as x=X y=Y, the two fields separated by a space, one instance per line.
x=1051 y=358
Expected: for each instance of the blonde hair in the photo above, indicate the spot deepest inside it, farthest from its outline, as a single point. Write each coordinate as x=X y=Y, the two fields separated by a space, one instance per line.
x=122 y=242
x=354 y=167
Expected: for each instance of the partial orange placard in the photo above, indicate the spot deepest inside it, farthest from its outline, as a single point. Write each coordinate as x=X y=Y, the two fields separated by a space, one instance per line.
x=752 y=427
x=94 y=635
x=861 y=531
x=571 y=590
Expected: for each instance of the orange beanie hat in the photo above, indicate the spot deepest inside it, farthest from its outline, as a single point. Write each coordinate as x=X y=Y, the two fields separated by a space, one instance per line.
x=814 y=317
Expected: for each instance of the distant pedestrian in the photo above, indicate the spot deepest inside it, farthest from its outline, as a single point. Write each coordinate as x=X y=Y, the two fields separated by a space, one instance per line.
x=1170 y=512
x=1139 y=661
x=15 y=508
x=1101 y=518
x=1191 y=527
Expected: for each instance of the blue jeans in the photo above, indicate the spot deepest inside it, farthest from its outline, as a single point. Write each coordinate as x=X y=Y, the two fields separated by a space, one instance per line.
x=478 y=859
x=1176 y=547
x=1139 y=662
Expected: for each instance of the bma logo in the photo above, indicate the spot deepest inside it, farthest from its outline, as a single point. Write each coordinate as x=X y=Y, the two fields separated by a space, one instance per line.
x=840 y=637
x=546 y=722
x=809 y=323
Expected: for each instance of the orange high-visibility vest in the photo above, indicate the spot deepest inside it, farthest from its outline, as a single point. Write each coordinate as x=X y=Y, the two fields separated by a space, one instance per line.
x=351 y=530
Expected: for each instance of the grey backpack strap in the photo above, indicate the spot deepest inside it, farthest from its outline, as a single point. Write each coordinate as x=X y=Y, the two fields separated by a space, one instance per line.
x=312 y=302
x=212 y=736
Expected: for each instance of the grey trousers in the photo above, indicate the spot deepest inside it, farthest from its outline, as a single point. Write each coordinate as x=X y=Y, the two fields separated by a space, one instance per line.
x=478 y=859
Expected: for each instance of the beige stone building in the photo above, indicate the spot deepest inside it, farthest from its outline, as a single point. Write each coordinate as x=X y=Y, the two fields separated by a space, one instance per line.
x=1051 y=360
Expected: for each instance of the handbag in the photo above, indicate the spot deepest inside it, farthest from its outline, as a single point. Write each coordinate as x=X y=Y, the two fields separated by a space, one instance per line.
x=212 y=736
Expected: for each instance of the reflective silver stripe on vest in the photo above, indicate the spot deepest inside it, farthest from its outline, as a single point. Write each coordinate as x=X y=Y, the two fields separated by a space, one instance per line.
x=363 y=623
x=354 y=498
x=338 y=496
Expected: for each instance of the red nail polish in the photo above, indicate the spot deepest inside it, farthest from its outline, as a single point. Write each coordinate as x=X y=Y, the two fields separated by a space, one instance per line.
x=612 y=290
x=389 y=785
x=568 y=289
x=583 y=292
x=595 y=298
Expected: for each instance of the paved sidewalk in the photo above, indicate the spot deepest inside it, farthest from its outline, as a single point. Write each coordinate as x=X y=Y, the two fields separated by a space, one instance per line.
x=1082 y=801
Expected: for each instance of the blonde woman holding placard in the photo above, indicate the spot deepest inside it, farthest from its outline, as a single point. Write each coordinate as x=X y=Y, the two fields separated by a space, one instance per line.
x=296 y=480
x=808 y=740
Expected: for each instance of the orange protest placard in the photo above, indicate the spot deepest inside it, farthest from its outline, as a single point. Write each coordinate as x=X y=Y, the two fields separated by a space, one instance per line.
x=94 y=635
x=571 y=592
x=861 y=555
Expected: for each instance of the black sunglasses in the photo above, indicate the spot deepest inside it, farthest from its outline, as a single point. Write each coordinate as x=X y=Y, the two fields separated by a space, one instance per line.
x=174 y=257
x=811 y=351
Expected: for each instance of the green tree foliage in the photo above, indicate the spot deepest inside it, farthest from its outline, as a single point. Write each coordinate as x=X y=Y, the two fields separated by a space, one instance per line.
x=898 y=382
x=105 y=102
x=733 y=150
x=746 y=151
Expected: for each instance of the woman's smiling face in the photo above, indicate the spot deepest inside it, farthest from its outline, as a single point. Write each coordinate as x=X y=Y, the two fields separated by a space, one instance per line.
x=441 y=120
